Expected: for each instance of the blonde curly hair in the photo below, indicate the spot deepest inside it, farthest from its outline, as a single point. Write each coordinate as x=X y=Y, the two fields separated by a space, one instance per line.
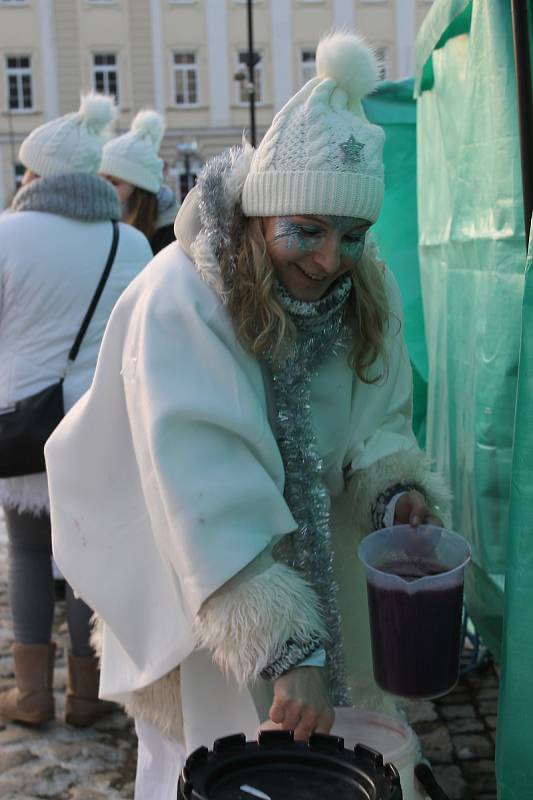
x=261 y=322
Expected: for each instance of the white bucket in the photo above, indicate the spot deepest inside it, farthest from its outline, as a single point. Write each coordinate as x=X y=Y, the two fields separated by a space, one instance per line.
x=387 y=734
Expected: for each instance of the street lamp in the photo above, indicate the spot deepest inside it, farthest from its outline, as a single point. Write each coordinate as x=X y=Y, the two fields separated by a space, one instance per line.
x=187 y=149
x=250 y=60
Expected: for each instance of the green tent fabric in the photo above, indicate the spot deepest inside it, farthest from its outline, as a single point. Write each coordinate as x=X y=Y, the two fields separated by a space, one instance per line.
x=514 y=750
x=471 y=265
x=396 y=232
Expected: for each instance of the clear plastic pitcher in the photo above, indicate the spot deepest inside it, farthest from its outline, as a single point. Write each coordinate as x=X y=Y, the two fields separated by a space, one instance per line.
x=415 y=582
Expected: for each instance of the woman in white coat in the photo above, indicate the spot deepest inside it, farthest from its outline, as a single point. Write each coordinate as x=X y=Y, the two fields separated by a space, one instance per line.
x=252 y=408
x=54 y=243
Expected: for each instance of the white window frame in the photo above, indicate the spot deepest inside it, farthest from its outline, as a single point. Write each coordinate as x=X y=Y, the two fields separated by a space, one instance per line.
x=305 y=64
x=258 y=78
x=183 y=69
x=382 y=56
x=106 y=70
x=19 y=73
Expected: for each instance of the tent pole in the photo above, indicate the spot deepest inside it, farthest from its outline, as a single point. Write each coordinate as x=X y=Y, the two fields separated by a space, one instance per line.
x=525 y=109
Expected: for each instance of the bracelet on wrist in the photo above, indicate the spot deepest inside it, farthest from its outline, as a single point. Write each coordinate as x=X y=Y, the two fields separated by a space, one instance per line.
x=379 y=506
x=292 y=652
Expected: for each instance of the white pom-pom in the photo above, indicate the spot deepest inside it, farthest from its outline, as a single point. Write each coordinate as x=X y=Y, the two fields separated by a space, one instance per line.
x=149 y=124
x=350 y=61
x=97 y=110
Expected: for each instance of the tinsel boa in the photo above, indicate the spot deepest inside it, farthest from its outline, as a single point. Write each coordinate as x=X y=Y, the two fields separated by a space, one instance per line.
x=320 y=329
x=321 y=333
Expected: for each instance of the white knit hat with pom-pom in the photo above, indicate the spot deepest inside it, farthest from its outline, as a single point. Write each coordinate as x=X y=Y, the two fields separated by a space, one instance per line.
x=321 y=155
x=72 y=143
x=133 y=157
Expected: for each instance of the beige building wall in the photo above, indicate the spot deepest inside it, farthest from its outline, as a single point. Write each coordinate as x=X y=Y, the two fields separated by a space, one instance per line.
x=68 y=38
x=149 y=40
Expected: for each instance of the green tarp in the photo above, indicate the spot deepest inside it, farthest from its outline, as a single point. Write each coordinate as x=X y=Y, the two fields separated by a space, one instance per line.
x=515 y=748
x=472 y=264
x=396 y=231
x=479 y=322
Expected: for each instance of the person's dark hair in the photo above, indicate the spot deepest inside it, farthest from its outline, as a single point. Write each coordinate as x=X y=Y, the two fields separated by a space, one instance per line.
x=142 y=211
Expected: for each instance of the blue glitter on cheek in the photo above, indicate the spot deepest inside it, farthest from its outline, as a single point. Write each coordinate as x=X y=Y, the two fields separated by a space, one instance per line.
x=353 y=250
x=296 y=238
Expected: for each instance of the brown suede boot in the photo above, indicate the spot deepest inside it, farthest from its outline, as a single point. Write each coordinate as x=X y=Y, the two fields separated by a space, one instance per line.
x=82 y=706
x=32 y=700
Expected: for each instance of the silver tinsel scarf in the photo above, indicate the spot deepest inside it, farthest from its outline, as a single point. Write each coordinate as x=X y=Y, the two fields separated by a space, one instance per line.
x=321 y=335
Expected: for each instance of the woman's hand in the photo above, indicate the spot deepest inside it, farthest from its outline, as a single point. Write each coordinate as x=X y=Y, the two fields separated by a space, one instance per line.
x=411 y=509
x=301 y=702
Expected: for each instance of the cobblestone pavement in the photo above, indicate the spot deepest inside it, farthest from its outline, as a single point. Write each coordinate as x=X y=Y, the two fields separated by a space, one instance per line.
x=59 y=762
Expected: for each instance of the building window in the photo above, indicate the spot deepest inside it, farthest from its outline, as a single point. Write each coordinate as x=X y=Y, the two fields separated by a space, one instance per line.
x=307 y=65
x=19 y=83
x=382 y=59
x=105 y=74
x=185 y=79
x=242 y=70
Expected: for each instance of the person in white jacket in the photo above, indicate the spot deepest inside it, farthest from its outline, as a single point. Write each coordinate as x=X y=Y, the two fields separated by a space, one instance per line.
x=54 y=244
x=131 y=163
x=250 y=419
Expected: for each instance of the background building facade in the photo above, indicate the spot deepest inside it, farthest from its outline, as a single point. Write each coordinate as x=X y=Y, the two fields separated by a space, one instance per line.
x=180 y=57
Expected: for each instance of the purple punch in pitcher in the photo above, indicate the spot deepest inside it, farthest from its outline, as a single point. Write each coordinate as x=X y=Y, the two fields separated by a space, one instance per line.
x=415 y=595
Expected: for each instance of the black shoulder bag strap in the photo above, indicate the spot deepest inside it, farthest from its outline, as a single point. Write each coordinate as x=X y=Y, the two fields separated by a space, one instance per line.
x=96 y=297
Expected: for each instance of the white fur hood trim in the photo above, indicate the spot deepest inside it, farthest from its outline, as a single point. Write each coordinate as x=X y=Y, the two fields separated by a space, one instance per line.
x=204 y=222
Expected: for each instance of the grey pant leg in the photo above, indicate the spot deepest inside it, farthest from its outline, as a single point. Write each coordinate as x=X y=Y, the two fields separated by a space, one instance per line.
x=79 y=625
x=31 y=585
x=30 y=582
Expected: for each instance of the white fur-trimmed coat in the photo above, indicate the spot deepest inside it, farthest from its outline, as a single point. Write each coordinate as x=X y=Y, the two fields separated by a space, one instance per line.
x=166 y=522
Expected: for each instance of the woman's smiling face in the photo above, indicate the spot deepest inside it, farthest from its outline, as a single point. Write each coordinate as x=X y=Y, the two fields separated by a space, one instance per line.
x=310 y=252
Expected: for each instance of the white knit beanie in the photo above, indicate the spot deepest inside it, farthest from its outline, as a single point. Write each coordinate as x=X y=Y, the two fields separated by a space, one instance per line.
x=133 y=157
x=321 y=155
x=72 y=143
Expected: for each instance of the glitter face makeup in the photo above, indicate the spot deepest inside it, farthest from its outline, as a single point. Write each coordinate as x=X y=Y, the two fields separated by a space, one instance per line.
x=310 y=253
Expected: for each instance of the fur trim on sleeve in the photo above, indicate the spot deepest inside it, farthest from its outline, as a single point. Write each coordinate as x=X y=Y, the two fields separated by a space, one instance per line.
x=160 y=704
x=409 y=466
x=246 y=626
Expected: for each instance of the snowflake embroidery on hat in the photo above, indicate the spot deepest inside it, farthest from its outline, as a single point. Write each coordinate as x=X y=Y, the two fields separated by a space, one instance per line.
x=352 y=151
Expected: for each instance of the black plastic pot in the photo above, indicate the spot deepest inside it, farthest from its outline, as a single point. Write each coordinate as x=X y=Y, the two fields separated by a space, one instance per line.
x=278 y=768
